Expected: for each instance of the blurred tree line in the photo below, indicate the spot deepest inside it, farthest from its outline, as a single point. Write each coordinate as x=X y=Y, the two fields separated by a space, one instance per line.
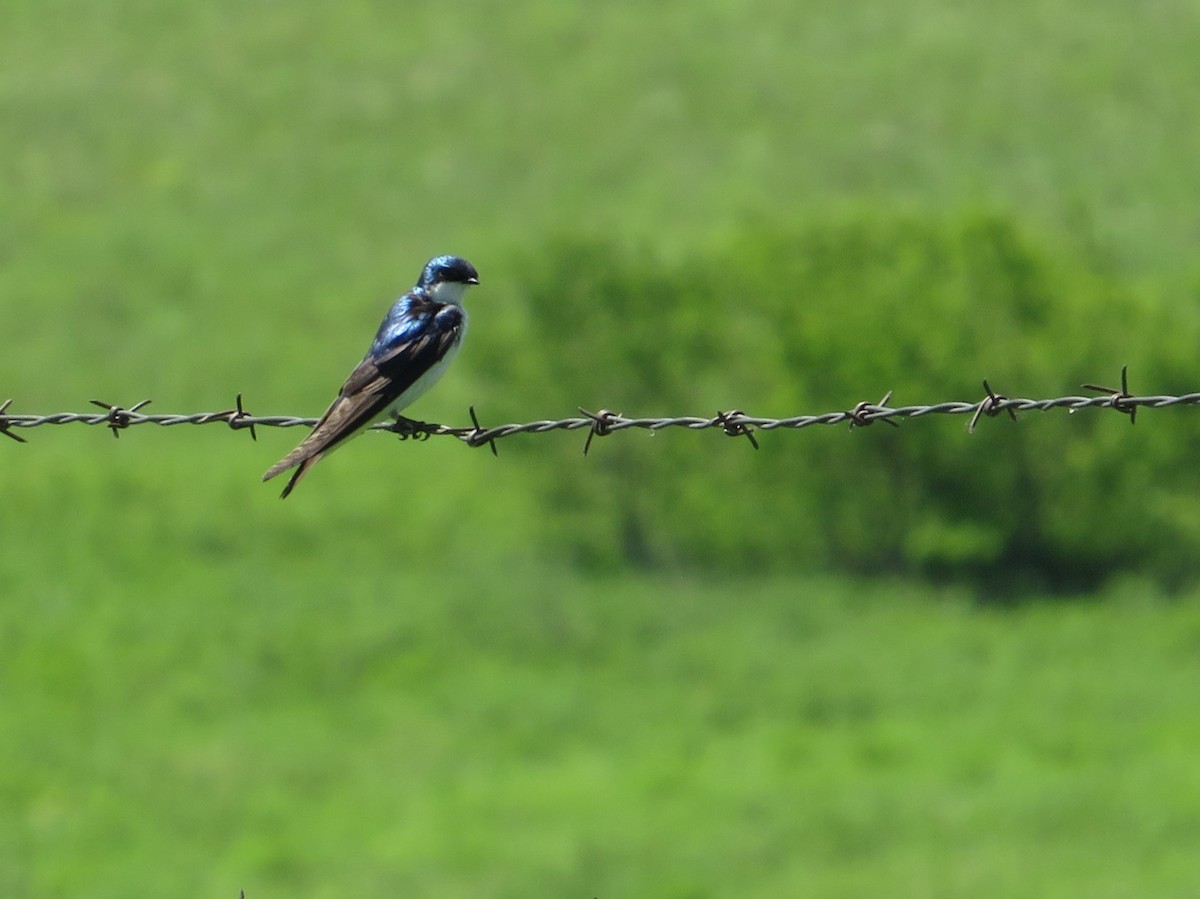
x=780 y=322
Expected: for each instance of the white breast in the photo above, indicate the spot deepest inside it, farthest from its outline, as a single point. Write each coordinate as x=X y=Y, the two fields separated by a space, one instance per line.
x=427 y=380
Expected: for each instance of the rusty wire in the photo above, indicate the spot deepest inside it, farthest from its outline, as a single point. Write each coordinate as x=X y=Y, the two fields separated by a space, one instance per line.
x=604 y=422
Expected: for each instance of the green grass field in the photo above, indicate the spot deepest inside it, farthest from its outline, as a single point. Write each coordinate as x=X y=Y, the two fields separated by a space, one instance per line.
x=391 y=684
x=401 y=733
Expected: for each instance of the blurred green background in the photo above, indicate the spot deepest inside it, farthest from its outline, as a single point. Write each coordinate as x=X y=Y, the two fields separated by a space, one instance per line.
x=892 y=662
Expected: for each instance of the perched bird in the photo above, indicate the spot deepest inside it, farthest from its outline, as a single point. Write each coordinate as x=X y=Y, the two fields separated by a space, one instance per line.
x=415 y=343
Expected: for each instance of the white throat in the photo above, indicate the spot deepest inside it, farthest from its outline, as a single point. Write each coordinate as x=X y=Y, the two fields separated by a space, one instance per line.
x=449 y=292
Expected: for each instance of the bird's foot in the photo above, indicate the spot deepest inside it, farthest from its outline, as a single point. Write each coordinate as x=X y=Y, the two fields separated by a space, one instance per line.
x=410 y=427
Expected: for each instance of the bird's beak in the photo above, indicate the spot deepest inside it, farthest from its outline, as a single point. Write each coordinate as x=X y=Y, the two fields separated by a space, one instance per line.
x=472 y=280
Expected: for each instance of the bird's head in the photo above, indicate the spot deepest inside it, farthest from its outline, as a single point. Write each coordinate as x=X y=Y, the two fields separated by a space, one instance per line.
x=446 y=278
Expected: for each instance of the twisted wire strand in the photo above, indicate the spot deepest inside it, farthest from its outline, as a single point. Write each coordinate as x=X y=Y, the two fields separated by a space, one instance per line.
x=734 y=423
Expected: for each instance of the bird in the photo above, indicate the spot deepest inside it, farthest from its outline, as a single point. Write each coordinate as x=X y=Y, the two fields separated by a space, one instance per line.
x=415 y=343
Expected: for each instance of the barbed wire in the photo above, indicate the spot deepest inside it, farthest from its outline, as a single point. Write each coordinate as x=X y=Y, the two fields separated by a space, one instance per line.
x=734 y=423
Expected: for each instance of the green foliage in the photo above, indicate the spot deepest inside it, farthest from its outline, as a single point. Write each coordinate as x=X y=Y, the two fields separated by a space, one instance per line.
x=819 y=319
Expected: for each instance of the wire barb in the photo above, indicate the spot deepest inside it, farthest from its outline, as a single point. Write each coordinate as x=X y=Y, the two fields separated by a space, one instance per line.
x=991 y=406
x=5 y=423
x=1120 y=397
x=118 y=419
x=602 y=425
x=734 y=428
x=477 y=435
x=238 y=418
x=865 y=414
